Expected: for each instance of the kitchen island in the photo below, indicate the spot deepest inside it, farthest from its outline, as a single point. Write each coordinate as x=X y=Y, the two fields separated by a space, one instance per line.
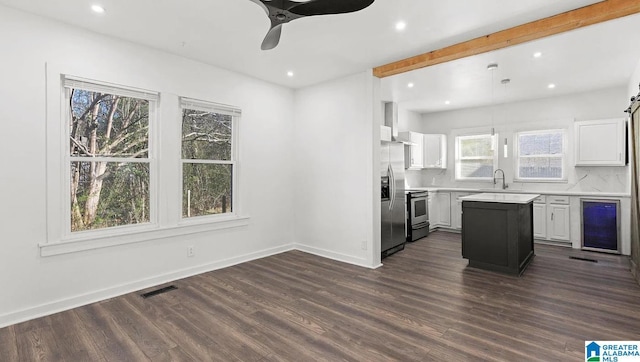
x=497 y=231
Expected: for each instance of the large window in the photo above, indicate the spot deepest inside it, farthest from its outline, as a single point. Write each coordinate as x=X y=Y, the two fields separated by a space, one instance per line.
x=540 y=155
x=108 y=155
x=117 y=173
x=208 y=158
x=475 y=157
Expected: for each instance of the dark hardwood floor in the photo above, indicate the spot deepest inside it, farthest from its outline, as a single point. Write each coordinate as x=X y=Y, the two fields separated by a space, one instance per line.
x=424 y=304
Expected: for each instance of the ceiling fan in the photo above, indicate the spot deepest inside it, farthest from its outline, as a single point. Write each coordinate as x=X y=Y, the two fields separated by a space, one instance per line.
x=283 y=11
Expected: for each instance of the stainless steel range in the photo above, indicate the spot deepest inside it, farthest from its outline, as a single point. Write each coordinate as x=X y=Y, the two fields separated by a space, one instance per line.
x=417 y=215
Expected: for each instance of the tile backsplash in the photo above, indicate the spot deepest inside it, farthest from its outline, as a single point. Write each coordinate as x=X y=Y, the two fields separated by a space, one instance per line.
x=586 y=179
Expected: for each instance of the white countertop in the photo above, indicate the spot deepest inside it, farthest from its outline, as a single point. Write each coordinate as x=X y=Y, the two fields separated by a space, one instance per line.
x=526 y=192
x=503 y=198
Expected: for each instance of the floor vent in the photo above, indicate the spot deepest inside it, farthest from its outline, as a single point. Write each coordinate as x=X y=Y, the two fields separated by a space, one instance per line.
x=583 y=259
x=159 y=291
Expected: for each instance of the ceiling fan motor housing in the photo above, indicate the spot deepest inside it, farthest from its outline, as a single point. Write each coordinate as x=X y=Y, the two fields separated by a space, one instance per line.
x=283 y=11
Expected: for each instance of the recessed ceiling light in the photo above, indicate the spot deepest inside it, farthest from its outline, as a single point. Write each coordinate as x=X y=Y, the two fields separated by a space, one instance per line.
x=492 y=66
x=447 y=102
x=401 y=25
x=537 y=54
x=551 y=86
x=410 y=85
x=97 y=9
x=290 y=74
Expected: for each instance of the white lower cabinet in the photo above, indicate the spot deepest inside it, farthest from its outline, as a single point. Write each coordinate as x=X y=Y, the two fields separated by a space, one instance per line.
x=558 y=222
x=456 y=216
x=539 y=221
x=551 y=221
x=433 y=210
x=456 y=209
x=443 y=209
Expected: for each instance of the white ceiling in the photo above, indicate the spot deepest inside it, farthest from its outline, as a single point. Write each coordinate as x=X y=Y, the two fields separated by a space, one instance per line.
x=228 y=34
x=595 y=57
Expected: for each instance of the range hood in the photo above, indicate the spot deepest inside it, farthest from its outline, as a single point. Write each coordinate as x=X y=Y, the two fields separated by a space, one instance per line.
x=389 y=132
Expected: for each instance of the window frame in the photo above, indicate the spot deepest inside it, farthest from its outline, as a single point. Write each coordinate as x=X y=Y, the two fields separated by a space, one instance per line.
x=162 y=144
x=563 y=157
x=235 y=113
x=458 y=156
x=69 y=82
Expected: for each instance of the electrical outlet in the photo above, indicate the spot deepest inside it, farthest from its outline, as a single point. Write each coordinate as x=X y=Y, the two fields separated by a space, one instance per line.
x=190 y=251
x=364 y=245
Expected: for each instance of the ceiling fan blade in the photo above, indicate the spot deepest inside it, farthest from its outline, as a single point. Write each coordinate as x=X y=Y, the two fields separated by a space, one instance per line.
x=272 y=38
x=322 y=7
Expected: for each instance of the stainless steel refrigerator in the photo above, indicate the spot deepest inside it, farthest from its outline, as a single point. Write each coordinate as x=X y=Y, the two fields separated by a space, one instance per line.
x=393 y=198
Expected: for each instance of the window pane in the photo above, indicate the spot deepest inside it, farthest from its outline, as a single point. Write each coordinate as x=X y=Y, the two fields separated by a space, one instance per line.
x=540 y=144
x=555 y=144
x=474 y=147
x=106 y=194
x=540 y=167
x=108 y=125
x=207 y=189
x=476 y=168
x=206 y=135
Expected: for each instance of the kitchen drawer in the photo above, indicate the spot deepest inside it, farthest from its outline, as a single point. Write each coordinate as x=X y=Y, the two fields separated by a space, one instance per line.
x=558 y=199
x=542 y=199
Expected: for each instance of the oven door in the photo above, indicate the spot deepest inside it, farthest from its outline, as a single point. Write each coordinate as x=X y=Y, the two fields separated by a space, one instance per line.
x=419 y=210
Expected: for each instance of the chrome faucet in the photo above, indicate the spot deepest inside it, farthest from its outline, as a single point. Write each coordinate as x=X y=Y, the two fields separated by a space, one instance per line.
x=504 y=184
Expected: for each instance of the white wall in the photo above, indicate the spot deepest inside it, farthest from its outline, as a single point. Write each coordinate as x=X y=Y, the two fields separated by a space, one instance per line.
x=408 y=120
x=333 y=173
x=548 y=113
x=35 y=285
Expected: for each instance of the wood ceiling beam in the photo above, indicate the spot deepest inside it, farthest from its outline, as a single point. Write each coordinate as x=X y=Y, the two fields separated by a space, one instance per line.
x=570 y=20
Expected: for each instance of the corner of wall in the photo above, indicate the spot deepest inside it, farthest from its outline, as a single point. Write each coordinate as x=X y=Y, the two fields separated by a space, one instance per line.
x=634 y=82
x=635 y=271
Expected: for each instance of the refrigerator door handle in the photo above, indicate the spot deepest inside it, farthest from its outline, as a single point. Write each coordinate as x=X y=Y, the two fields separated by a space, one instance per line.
x=392 y=181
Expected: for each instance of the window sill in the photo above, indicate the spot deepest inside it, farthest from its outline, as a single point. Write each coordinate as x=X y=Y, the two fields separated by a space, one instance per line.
x=474 y=180
x=540 y=181
x=114 y=239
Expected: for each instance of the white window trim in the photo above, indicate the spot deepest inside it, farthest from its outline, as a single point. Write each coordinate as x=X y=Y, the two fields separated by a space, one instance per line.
x=69 y=82
x=57 y=153
x=235 y=114
x=516 y=154
x=457 y=156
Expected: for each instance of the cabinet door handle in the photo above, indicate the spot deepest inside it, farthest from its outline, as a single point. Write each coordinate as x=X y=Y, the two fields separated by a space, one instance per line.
x=551 y=216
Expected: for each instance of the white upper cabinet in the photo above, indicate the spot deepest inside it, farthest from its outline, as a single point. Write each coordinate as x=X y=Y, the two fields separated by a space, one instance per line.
x=435 y=151
x=414 y=153
x=600 y=143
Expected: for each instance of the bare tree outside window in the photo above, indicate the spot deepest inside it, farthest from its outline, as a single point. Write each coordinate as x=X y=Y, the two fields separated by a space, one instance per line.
x=207 y=166
x=109 y=155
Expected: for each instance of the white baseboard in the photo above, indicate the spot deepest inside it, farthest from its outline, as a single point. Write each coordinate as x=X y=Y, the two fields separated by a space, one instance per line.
x=96 y=296
x=349 y=259
x=446 y=229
